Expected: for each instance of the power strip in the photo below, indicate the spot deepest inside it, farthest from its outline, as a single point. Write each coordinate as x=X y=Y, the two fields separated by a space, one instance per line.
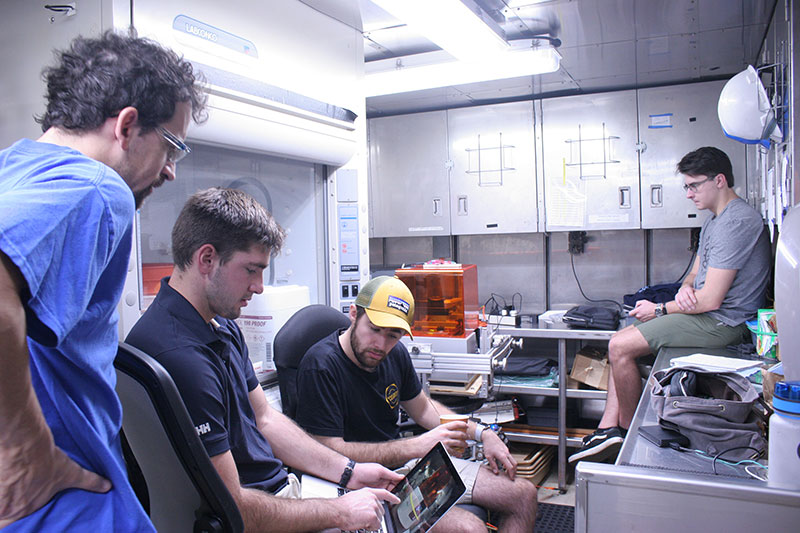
x=503 y=320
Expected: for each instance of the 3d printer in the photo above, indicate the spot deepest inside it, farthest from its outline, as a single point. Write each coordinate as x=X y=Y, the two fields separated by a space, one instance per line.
x=446 y=299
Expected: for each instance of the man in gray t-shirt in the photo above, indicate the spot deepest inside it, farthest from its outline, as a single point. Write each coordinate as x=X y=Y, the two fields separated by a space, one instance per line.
x=726 y=287
x=735 y=239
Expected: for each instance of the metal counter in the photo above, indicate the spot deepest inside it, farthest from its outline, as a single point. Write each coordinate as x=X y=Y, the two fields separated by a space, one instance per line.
x=660 y=489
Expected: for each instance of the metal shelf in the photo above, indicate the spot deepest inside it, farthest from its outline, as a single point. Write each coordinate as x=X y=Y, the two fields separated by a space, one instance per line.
x=562 y=334
x=552 y=440
x=549 y=391
x=556 y=333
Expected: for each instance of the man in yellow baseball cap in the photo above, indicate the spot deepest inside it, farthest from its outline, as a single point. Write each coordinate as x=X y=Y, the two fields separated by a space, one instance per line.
x=388 y=303
x=351 y=385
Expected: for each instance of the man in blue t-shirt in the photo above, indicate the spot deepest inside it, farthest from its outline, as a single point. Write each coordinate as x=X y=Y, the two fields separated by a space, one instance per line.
x=221 y=244
x=117 y=109
x=351 y=385
x=725 y=288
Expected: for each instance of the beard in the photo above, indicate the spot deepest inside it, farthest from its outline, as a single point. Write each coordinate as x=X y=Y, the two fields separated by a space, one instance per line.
x=139 y=196
x=220 y=297
x=365 y=361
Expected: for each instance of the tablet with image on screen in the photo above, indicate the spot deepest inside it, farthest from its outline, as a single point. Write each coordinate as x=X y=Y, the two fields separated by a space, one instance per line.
x=429 y=490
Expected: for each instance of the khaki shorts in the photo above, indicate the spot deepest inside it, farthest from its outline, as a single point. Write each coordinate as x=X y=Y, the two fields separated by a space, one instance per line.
x=690 y=331
x=292 y=490
x=468 y=470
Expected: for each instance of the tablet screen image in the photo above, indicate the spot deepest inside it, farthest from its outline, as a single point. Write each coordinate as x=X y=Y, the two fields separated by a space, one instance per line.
x=426 y=493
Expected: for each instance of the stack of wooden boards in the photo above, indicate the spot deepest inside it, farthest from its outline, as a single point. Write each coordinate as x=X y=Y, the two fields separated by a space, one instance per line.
x=533 y=461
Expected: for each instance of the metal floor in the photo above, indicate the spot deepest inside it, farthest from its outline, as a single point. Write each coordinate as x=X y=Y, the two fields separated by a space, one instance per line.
x=552 y=518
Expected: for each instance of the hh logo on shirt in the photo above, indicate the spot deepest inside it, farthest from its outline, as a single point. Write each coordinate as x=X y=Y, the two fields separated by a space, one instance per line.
x=392 y=395
x=203 y=428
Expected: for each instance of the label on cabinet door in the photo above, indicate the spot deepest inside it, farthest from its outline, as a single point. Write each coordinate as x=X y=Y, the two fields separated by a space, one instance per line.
x=426 y=228
x=663 y=120
x=609 y=219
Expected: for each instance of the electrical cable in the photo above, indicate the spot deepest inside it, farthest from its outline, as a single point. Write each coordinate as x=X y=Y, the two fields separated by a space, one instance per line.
x=505 y=304
x=491 y=311
x=688 y=268
x=520 y=301
x=717 y=457
x=705 y=455
x=572 y=262
x=753 y=474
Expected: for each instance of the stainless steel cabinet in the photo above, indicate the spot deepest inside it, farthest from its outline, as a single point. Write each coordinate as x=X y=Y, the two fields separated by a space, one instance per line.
x=408 y=181
x=673 y=121
x=493 y=181
x=591 y=167
x=30 y=32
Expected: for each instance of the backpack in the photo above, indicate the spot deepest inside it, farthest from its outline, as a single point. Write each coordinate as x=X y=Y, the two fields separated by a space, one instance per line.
x=590 y=317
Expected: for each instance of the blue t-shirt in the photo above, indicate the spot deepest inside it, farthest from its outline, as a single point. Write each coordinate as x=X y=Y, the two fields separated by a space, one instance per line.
x=65 y=222
x=212 y=370
x=336 y=398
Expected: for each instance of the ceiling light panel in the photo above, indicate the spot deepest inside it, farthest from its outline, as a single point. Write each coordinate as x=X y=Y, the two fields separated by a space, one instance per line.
x=458 y=27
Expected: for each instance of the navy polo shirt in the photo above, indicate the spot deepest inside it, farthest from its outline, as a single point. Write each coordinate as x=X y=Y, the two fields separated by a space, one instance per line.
x=213 y=373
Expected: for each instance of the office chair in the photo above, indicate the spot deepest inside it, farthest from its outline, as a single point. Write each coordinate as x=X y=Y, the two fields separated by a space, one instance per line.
x=168 y=466
x=303 y=330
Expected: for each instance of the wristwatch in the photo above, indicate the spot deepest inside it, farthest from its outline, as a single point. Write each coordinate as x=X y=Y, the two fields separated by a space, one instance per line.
x=479 y=429
x=347 y=474
x=499 y=431
x=661 y=310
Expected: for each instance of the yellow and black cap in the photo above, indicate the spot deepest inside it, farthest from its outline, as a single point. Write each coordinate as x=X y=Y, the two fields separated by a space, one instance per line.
x=388 y=303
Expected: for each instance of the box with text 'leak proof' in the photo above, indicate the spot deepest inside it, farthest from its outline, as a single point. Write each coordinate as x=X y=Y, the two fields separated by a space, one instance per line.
x=263 y=317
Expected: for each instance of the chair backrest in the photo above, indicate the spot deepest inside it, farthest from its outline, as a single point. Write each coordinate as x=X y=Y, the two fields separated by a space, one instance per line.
x=183 y=490
x=303 y=330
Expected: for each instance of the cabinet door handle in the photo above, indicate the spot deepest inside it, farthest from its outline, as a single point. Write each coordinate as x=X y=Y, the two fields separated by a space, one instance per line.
x=656 y=196
x=462 y=205
x=625 y=197
x=437 y=207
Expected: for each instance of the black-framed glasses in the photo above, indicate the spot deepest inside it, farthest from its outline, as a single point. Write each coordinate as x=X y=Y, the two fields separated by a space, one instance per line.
x=177 y=148
x=696 y=185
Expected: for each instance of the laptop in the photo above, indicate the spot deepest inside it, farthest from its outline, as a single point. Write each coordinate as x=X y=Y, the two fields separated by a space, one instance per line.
x=429 y=490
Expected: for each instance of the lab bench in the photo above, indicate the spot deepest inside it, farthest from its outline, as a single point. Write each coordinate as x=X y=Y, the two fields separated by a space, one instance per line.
x=562 y=334
x=661 y=489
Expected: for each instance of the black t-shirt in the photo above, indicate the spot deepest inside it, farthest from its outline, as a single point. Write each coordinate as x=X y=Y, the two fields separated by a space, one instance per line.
x=213 y=373
x=336 y=398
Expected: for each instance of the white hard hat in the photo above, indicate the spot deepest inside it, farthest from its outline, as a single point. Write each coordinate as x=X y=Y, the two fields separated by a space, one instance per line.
x=744 y=110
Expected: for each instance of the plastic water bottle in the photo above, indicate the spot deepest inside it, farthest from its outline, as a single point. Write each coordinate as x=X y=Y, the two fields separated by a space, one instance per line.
x=784 y=437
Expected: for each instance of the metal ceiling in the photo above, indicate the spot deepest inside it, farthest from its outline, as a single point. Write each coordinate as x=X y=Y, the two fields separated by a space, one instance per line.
x=606 y=45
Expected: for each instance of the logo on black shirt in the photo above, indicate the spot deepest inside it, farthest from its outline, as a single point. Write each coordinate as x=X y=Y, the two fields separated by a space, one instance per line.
x=392 y=395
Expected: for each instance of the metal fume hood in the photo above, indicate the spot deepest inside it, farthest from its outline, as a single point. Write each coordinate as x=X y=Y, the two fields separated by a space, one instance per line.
x=244 y=120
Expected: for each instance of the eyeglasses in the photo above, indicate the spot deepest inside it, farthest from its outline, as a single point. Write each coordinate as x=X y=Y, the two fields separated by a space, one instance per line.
x=177 y=148
x=696 y=185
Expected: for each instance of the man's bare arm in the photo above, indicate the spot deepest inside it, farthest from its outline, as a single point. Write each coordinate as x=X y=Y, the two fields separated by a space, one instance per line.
x=392 y=454
x=32 y=468
x=264 y=512
x=710 y=297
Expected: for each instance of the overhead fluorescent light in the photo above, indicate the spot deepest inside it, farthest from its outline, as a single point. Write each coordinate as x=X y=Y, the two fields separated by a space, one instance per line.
x=459 y=27
x=431 y=70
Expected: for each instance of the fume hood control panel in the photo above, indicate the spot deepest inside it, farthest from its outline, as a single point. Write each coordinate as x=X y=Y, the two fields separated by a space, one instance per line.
x=349 y=251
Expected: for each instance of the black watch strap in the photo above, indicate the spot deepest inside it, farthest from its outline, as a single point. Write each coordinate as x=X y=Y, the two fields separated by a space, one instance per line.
x=347 y=474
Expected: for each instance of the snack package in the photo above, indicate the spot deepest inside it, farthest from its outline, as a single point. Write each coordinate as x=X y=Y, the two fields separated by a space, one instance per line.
x=767 y=334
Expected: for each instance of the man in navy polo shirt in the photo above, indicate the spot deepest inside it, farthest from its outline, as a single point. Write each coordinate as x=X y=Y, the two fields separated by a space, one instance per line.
x=222 y=242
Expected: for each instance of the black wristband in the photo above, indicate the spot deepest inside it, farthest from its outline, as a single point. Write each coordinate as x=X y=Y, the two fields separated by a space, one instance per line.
x=347 y=474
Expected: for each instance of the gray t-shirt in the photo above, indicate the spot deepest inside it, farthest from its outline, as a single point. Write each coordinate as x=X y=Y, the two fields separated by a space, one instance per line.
x=736 y=239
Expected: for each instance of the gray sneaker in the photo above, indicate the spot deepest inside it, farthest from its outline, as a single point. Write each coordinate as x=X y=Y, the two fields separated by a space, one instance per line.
x=600 y=447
